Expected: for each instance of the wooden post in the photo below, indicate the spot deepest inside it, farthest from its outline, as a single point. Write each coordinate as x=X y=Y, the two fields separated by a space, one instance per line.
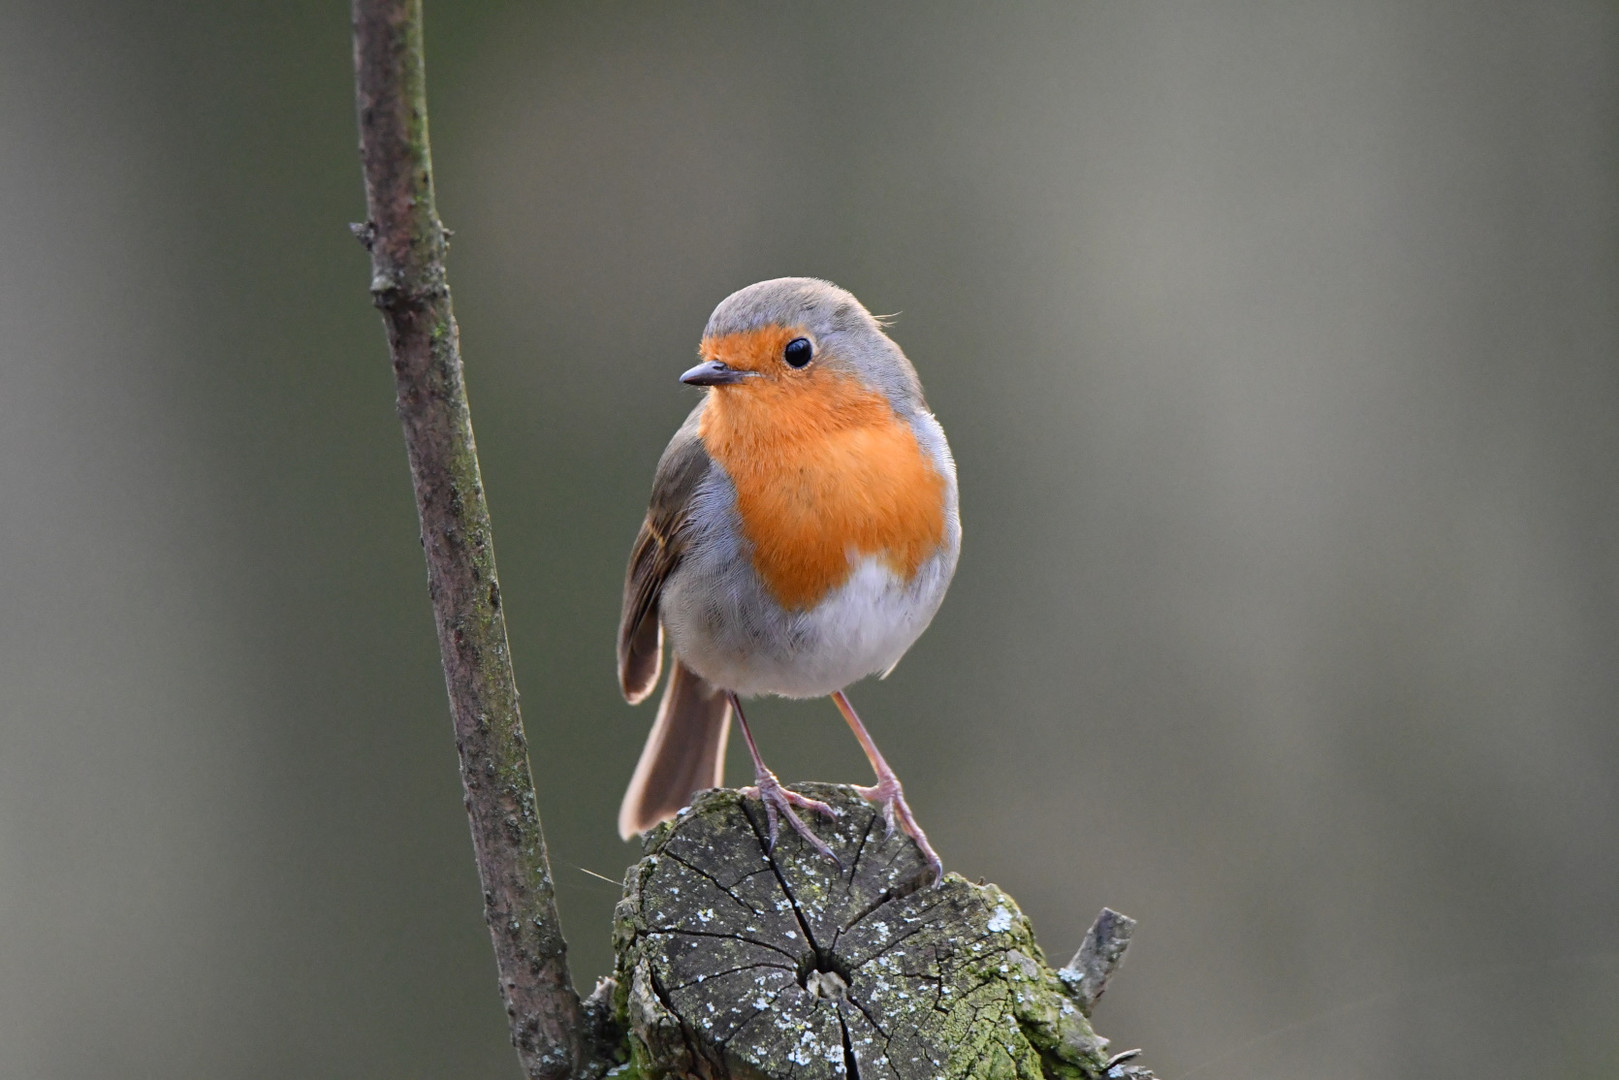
x=736 y=962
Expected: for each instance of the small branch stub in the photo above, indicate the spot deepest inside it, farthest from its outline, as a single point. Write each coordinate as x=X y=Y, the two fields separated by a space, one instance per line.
x=1098 y=958
x=734 y=962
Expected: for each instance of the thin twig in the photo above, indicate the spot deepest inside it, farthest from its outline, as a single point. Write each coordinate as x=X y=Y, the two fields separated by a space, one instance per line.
x=407 y=244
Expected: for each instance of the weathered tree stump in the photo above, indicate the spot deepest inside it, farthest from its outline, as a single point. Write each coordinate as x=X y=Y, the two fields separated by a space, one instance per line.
x=737 y=963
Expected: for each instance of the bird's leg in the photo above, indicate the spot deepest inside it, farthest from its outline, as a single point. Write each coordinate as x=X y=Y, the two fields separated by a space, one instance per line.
x=779 y=800
x=887 y=792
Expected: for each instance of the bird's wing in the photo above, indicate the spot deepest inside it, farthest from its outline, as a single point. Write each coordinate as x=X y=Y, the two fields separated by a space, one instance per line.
x=657 y=551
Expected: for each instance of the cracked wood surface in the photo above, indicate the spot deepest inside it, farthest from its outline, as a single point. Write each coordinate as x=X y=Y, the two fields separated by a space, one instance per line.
x=737 y=963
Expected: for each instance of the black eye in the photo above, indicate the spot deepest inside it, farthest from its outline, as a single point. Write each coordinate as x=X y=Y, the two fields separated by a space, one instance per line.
x=798 y=352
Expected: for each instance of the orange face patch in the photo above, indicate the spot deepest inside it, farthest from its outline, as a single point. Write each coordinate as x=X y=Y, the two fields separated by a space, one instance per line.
x=752 y=350
x=825 y=473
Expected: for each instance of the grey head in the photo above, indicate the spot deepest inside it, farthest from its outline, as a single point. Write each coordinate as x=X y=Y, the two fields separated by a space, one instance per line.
x=846 y=337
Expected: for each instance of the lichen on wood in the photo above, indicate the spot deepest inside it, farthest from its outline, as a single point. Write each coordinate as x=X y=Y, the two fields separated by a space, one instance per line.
x=737 y=962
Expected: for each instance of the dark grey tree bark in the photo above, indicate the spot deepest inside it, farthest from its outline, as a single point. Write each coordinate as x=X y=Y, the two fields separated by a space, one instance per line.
x=407 y=245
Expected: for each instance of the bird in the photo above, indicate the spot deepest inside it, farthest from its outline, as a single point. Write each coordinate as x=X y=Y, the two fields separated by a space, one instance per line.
x=802 y=531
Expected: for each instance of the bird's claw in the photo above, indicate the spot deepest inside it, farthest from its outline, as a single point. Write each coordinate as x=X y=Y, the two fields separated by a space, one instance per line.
x=779 y=802
x=888 y=794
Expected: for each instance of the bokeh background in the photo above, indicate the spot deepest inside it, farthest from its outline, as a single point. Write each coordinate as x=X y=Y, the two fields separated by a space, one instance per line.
x=1279 y=347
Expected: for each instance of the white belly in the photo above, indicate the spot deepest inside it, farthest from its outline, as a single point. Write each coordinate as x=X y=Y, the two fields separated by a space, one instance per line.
x=736 y=637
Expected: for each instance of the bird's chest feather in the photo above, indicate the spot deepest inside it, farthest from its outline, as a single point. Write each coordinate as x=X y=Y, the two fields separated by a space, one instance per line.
x=826 y=475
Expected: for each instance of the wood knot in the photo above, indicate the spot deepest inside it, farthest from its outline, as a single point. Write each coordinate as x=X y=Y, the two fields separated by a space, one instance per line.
x=827 y=984
x=737 y=962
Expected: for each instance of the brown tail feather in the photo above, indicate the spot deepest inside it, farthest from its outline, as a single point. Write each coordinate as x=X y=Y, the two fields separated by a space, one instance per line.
x=685 y=752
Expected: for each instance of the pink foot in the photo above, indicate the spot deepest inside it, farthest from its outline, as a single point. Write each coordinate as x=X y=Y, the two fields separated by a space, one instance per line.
x=888 y=794
x=779 y=802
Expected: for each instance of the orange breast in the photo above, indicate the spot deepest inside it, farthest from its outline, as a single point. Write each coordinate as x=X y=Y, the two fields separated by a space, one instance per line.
x=825 y=474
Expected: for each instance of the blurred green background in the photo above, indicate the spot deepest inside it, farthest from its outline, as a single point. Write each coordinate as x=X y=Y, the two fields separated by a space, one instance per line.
x=1279 y=348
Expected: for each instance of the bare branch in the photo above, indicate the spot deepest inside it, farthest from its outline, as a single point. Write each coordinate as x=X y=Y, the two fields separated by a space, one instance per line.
x=407 y=244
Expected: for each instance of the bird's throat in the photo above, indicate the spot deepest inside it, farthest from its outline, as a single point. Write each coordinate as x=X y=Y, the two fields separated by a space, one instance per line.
x=826 y=474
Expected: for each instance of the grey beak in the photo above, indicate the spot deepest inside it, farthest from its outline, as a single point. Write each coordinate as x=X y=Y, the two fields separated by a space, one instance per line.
x=714 y=373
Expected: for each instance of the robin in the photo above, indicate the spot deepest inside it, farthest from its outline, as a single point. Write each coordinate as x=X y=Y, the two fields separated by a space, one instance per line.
x=802 y=531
